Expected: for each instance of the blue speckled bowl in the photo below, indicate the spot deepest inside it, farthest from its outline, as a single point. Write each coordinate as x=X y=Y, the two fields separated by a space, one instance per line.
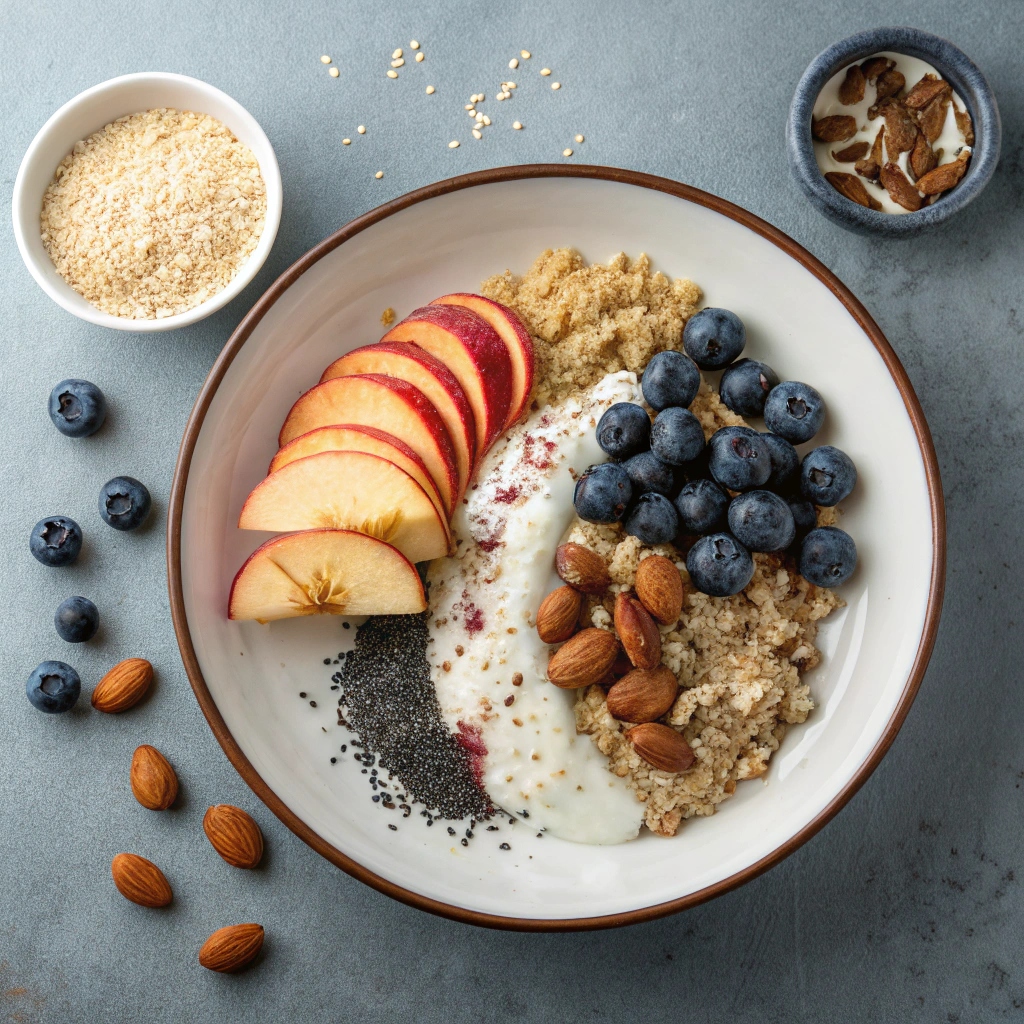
x=956 y=68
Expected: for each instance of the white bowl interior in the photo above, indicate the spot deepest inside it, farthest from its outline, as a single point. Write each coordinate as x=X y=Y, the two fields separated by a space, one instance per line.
x=450 y=243
x=87 y=113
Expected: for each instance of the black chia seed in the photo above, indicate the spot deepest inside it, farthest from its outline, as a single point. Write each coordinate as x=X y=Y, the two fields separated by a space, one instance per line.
x=504 y=846
x=390 y=702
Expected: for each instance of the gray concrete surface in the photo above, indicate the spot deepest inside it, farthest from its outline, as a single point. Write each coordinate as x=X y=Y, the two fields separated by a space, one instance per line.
x=908 y=907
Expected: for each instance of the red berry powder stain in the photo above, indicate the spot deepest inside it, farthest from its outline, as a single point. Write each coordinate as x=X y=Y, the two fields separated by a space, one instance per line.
x=538 y=454
x=473 y=617
x=471 y=740
x=506 y=495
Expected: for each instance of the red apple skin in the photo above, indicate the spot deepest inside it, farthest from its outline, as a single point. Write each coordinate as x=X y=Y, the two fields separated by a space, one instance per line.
x=513 y=333
x=471 y=348
x=389 y=404
x=417 y=366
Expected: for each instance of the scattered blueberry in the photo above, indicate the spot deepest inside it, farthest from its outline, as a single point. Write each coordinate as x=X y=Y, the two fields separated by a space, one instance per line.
x=702 y=507
x=745 y=385
x=677 y=436
x=785 y=475
x=624 y=430
x=719 y=565
x=55 y=540
x=794 y=411
x=53 y=687
x=653 y=520
x=805 y=518
x=602 y=493
x=124 y=503
x=648 y=473
x=77 y=408
x=762 y=521
x=670 y=378
x=828 y=556
x=827 y=475
x=76 y=620
x=739 y=458
x=713 y=338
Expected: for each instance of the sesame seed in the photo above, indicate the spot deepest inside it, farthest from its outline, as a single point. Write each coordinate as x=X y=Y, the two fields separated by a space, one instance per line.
x=579 y=138
x=500 y=96
x=545 y=71
x=487 y=120
x=517 y=125
x=361 y=129
x=480 y=97
x=419 y=57
x=513 y=63
x=392 y=74
x=398 y=63
x=346 y=142
x=325 y=59
x=525 y=54
x=478 y=115
x=510 y=85
x=430 y=90
x=414 y=45
x=454 y=144
x=379 y=174
x=333 y=72
x=468 y=106
x=396 y=54
x=477 y=134
x=556 y=85
x=471 y=112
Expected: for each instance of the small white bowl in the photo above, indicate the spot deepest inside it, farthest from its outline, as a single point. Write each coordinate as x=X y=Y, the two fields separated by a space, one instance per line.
x=88 y=112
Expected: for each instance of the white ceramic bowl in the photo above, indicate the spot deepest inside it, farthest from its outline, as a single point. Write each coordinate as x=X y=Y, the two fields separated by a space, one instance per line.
x=88 y=112
x=799 y=318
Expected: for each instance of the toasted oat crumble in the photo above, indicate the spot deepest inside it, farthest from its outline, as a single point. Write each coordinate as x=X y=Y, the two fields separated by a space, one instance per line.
x=154 y=214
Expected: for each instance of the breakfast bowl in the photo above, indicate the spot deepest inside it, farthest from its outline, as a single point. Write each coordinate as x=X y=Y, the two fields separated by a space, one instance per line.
x=969 y=86
x=269 y=692
x=90 y=111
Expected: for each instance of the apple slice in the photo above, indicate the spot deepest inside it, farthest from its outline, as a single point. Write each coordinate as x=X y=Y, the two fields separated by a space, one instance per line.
x=347 y=437
x=387 y=403
x=513 y=333
x=325 y=572
x=471 y=349
x=432 y=377
x=349 y=491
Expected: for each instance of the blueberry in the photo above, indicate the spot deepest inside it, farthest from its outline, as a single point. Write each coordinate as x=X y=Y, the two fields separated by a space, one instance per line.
x=652 y=519
x=702 y=507
x=745 y=385
x=602 y=493
x=762 y=521
x=671 y=378
x=77 y=408
x=624 y=430
x=828 y=556
x=719 y=565
x=55 y=540
x=794 y=411
x=713 y=338
x=647 y=473
x=739 y=458
x=827 y=475
x=76 y=620
x=805 y=518
x=124 y=503
x=785 y=475
x=53 y=687
x=677 y=436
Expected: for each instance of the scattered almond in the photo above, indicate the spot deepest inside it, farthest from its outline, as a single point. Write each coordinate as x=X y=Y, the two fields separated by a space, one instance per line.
x=944 y=177
x=558 y=615
x=922 y=157
x=153 y=780
x=852 y=187
x=232 y=948
x=900 y=130
x=834 y=128
x=889 y=84
x=582 y=568
x=123 y=686
x=637 y=632
x=852 y=89
x=899 y=188
x=876 y=66
x=234 y=835
x=872 y=164
x=584 y=659
x=661 y=746
x=140 y=880
x=933 y=117
x=660 y=588
x=857 y=151
x=925 y=91
x=643 y=695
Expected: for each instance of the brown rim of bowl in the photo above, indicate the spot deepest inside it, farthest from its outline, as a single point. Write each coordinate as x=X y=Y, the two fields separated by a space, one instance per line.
x=499 y=174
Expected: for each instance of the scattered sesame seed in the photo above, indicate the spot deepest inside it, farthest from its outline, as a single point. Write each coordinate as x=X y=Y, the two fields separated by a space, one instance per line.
x=419 y=57
x=414 y=45
x=566 y=152
x=396 y=54
x=430 y=90
x=478 y=115
x=333 y=72
x=346 y=142
x=513 y=63
x=468 y=106
x=325 y=59
x=379 y=174
x=472 y=113
x=510 y=85
x=392 y=74
x=454 y=144
x=362 y=131
x=487 y=120
x=525 y=54
x=556 y=85
x=398 y=63
x=477 y=134
x=545 y=71
x=579 y=138
x=500 y=96
x=480 y=97
x=517 y=125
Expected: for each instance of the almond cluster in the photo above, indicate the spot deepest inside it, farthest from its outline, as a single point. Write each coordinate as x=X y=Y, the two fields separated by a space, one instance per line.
x=627 y=661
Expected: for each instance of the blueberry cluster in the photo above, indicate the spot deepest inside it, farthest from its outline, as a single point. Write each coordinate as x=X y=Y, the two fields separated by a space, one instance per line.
x=743 y=490
x=78 y=409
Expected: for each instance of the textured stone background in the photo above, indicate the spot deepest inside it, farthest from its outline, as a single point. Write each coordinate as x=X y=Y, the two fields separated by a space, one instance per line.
x=909 y=906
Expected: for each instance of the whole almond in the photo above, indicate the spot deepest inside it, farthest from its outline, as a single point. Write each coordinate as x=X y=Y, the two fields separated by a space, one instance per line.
x=234 y=835
x=933 y=116
x=852 y=187
x=123 y=686
x=872 y=163
x=922 y=157
x=889 y=84
x=660 y=588
x=852 y=88
x=637 y=632
x=661 y=746
x=643 y=695
x=925 y=91
x=834 y=128
x=140 y=880
x=558 y=615
x=900 y=130
x=875 y=66
x=851 y=154
x=584 y=659
x=153 y=780
x=944 y=177
x=899 y=188
x=232 y=948
x=582 y=568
